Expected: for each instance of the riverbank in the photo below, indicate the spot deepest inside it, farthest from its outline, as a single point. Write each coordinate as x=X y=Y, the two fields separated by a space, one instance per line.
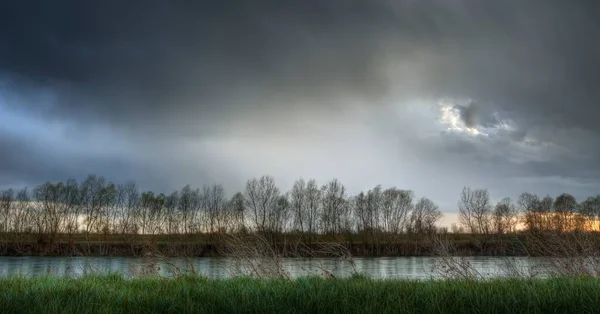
x=113 y=294
x=215 y=250
x=204 y=245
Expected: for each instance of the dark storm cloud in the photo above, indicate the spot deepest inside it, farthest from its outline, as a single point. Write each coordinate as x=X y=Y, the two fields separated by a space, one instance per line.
x=163 y=55
x=167 y=70
x=178 y=62
x=147 y=62
x=19 y=162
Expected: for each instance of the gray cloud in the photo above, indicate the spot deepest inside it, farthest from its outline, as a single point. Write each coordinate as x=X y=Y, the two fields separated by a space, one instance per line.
x=192 y=92
x=26 y=162
x=183 y=63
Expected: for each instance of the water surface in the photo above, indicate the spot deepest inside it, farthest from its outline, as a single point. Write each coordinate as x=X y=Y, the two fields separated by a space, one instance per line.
x=380 y=267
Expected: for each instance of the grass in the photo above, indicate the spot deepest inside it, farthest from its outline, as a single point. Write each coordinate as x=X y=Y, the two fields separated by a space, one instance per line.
x=113 y=294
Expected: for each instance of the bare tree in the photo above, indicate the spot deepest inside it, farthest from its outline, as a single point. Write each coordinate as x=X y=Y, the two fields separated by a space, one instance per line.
x=565 y=207
x=127 y=216
x=158 y=218
x=114 y=209
x=279 y=217
x=396 y=206
x=545 y=210
x=367 y=210
x=531 y=206
x=424 y=217
x=298 y=204
x=96 y=196
x=361 y=212
x=23 y=218
x=149 y=211
x=590 y=208
x=505 y=216
x=374 y=202
x=6 y=209
x=50 y=215
x=213 y=205
x=314 y=197
x=6 y=216
x=189 y=201
x=335 y=207
x=172 y=217
x=70 y=199
x=22 y=212
x=238 y=210
x=261 y=199
x=475 y=211
x=92 y=190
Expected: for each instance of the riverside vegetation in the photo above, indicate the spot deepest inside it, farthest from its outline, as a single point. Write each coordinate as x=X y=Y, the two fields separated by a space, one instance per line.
x=570 y=285
x=261 y=227
x=98 y=217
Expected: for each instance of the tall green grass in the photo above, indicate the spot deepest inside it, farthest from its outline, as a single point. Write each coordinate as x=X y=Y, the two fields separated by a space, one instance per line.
x=113 y=294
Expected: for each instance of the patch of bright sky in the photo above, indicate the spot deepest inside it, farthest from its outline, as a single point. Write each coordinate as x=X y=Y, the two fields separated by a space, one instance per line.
x=450 y=117
x=14 y=122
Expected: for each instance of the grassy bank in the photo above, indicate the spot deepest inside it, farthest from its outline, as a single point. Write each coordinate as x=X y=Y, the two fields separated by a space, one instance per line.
x=112 y=294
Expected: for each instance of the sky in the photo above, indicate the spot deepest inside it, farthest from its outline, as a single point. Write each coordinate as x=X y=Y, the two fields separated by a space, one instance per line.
x=429 y=96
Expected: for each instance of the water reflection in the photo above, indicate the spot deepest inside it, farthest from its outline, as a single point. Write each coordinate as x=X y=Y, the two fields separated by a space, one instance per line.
x=385 y=267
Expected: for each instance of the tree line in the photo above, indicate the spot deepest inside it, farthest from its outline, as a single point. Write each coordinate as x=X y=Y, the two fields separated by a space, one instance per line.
x=97 y=206
x=529 y=212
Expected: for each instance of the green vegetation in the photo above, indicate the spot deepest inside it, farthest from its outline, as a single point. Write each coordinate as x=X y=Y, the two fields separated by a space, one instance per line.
x=113 y=294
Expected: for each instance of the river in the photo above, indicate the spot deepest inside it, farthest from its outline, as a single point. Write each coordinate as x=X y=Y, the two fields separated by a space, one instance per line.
x=380 y=267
